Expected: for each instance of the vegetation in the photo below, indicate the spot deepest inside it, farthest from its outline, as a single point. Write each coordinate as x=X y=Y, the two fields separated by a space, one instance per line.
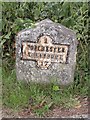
x=17 y=16
x=19 y=95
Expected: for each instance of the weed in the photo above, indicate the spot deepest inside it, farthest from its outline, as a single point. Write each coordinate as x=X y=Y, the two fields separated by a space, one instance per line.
x=18 y=16
x=40 y=98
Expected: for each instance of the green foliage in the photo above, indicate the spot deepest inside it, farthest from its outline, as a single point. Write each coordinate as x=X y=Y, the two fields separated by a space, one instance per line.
x=55 y=88
x=37 y=97
x=17 y=16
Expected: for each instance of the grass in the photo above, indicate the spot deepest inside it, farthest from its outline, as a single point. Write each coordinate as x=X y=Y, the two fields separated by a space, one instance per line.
x=40 y=98
x=18 y=95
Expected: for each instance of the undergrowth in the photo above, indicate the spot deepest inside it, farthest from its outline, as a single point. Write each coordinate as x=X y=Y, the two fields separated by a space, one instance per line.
x=40 y=98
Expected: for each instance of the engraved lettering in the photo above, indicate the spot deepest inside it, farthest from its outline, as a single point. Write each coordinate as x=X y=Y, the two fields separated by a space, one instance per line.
x=63 y=50
x=59 y=49
x=45 y=40
x=44 y=52
x=51 y=49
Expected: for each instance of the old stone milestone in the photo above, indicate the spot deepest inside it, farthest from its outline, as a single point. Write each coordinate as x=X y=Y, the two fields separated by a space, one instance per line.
x=46 y=53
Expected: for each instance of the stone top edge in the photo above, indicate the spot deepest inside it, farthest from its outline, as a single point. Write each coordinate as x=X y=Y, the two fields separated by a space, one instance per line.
x=48 y=21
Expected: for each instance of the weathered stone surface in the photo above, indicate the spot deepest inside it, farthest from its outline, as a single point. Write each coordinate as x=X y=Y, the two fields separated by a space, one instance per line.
x=58 y=71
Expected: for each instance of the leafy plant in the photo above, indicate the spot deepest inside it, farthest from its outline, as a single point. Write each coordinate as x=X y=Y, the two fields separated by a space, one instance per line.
x=17 y=16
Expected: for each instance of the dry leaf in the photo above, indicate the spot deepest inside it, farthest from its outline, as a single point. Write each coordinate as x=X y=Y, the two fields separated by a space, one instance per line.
x=78 y=106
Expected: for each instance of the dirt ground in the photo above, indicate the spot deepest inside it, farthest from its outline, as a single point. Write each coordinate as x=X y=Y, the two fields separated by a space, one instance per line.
x=57 y=112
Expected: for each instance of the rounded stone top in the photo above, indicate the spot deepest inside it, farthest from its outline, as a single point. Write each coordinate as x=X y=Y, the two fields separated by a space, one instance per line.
x=50 y=24
x=56 y=25
x=57 y=32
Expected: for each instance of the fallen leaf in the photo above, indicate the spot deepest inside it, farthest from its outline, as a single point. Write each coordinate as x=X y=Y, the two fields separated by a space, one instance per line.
x=78 y=106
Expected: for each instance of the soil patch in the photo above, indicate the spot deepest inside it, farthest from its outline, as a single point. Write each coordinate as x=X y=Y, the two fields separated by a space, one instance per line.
x=79 y=111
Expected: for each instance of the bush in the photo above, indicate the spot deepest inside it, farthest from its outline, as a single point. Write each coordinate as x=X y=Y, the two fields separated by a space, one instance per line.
x=21 y=15
x=17 y=16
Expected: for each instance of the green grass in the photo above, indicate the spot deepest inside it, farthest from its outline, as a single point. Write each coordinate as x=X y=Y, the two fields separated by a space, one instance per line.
x=40 y=98
x=18 y=95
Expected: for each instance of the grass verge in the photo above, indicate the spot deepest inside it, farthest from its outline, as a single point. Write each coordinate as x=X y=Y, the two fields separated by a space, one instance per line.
x=39 y=98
